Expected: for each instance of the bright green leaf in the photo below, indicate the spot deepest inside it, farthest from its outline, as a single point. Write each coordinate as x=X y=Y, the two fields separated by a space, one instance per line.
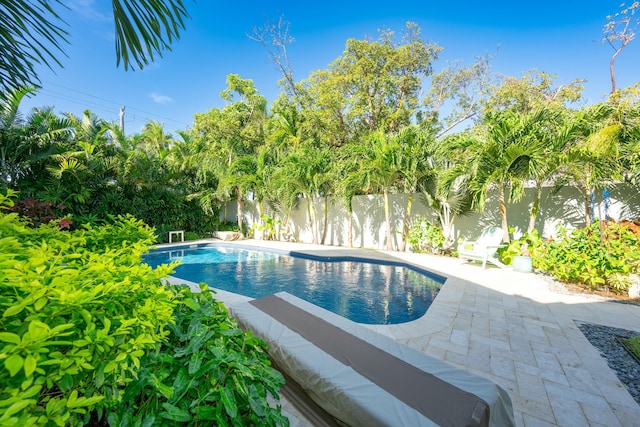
x=30 y=363
x=10 y=338
x=13 y=364
x=174 y=413
x=229 y=401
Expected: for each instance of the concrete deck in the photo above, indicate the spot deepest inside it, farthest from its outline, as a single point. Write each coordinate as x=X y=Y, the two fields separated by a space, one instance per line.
x=514 y=328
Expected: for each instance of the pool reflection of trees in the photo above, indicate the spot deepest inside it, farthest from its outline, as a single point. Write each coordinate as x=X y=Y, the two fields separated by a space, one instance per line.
x=361 y=291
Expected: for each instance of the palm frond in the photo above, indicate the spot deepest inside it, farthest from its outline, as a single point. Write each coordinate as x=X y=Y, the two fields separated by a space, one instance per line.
x=31 y=34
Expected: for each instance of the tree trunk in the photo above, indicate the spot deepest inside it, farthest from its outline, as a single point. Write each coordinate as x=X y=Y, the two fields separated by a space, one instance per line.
x=288 y=234
x=350 y=227
x=503 y=213
x=240 y=214
x=535 y=208
x=261 y=233
x=406 y=223
x=312 y=218
x=326 y=219
x=387 y=217
x=612 y=69
x=446 y=221
x=587 y=205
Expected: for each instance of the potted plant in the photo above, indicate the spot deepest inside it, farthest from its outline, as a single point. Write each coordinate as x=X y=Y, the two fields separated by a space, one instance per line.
x=519 y=252
x=523 y=262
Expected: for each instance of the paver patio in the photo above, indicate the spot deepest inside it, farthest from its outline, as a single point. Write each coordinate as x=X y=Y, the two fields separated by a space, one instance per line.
x=515 y=329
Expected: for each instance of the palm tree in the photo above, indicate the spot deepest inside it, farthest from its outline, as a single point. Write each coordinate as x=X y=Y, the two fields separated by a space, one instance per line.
x=502 y=153
x=153 y=140
x=33 y=34
x=592 y=157
x=27 y=146
x=11 y=131
x=308 y=171
x=381 y=170
x=283 y=136
x=446 y=188
x=629 y=113
x=87 y=164
x=349 y=181
x=232 y=136
x=552 y=132
x=415 y=167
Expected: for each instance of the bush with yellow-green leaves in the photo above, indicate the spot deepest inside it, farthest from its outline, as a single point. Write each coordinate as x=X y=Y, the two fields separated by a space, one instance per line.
x=84 y=323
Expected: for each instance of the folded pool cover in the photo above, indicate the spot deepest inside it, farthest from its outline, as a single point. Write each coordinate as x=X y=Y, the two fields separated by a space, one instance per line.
x=364 y=378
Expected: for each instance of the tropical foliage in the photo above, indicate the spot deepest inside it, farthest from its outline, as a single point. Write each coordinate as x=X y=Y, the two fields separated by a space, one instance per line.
x=91 y=334
x=364 y=125
x=34 y=33
x=602 y=255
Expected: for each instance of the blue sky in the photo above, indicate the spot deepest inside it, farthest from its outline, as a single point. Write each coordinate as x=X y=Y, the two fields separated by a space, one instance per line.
x=559 y=37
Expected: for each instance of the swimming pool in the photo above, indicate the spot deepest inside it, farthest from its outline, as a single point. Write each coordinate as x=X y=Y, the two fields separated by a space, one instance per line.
x=360 y=290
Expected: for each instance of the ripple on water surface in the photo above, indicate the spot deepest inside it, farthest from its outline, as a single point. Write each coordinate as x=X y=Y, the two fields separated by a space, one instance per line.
x=364 y=292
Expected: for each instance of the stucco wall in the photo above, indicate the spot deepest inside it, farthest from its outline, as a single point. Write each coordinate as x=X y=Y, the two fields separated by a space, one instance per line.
x=369 y=228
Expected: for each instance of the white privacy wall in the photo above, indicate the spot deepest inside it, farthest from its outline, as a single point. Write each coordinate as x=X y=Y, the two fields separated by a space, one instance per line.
x=369 y=228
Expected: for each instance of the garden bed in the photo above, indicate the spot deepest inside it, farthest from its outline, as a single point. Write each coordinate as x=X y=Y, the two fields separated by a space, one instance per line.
x=607 y=340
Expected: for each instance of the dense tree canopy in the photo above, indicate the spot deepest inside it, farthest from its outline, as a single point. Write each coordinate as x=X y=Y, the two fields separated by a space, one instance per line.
x=379 y=119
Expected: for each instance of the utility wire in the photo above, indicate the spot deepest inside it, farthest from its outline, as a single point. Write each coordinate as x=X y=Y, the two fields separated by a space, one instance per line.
x=177 y=125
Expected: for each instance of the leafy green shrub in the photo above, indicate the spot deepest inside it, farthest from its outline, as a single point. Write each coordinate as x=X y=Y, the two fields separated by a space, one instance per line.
x=209 y=372
x=75 y=320
x=190 y=235
x=425 y=237
x=267 y=227
x=90 y=334
x=582 y=256
x=530 y=244
x=227 y=226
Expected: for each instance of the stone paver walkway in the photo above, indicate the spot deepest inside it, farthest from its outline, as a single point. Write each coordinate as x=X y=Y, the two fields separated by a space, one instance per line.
x=516 y=330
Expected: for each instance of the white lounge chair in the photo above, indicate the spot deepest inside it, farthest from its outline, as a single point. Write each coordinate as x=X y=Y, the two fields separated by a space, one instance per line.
x=484 y=249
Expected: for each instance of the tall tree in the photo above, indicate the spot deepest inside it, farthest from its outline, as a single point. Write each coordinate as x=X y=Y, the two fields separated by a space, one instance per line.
x=305 y=173
x=619 y=31
x=460 y=89
x=501 y=156
x=373 y=86
x=542 y=103
x=153 y=140
x=275 y=38
x=232 y=136
x=534 y=89
x=592 y=157
x=380 y=168
x=446 y=189
x=415 y=167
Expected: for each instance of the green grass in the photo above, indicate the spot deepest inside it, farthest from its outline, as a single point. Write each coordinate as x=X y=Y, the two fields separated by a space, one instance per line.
x=633 y=344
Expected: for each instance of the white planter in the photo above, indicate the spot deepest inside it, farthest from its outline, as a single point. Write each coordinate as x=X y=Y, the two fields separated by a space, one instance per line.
x=523 y=264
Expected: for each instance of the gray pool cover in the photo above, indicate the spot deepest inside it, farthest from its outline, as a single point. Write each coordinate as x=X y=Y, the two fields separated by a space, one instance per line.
x=364 y=378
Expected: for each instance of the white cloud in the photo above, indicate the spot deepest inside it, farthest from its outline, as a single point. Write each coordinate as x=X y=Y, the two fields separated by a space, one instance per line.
x=87 y=9
x=161 y=99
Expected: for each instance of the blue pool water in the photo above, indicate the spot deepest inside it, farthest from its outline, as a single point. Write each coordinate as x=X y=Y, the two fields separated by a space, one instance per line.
x=364 y=292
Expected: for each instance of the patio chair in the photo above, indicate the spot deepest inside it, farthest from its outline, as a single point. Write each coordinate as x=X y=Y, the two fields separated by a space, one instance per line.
x=484 y=249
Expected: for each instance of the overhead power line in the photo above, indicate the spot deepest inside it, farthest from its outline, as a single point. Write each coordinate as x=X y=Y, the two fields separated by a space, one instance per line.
x=94 y=102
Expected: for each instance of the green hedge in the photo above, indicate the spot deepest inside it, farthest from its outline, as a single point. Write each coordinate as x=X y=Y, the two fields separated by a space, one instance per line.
x=85 y=324
x=600 y=256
